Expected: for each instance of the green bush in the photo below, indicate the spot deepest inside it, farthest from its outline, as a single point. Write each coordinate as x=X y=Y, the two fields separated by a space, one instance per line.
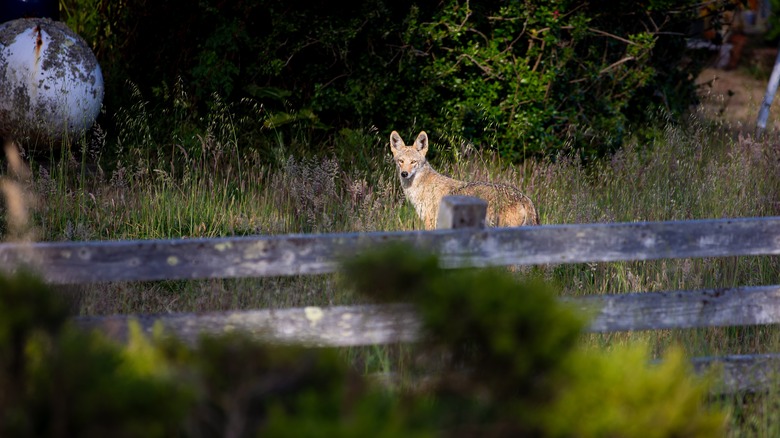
x=508 y=362
x=500 y=358
x=523 y=77
x=531 y=77
x=58 y=381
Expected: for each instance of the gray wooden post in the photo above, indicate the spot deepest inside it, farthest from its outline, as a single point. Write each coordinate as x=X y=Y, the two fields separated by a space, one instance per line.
x=461 y=212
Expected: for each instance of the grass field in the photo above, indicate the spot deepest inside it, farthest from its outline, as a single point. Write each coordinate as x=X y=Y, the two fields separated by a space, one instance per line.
x=146 y=186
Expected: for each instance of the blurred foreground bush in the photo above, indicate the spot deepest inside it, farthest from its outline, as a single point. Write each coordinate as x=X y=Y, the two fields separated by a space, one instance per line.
x=500 y=358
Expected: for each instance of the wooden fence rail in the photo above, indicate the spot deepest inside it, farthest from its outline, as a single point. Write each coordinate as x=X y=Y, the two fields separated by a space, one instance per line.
x=139 y=260
x=348 y=326
x=340 y=326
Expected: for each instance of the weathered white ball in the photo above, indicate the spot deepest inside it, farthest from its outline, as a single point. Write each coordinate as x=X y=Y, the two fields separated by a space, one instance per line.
x=51 y=85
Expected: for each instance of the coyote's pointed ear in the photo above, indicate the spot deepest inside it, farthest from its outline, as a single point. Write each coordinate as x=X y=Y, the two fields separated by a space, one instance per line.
x=421 y=144
x=396 y=142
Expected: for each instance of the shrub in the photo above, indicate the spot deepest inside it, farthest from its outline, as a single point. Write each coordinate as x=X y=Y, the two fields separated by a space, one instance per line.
x=509 y=362
x=523 y=77
x=58 y=381
x=527 y=77
x=502 y=358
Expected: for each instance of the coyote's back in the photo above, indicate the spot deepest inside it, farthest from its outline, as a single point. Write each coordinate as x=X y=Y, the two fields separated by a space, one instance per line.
x=507 y=206
x=425 y=188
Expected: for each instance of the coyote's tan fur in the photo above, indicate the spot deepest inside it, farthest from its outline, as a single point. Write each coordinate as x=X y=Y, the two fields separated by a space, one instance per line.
x=424 y=188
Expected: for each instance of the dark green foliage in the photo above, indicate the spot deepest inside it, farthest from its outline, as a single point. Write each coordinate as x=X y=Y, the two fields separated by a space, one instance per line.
x=393 y=274
x=773 y=32
x=501 y=359
x=27 y=311
x=523 y=77
x=492 y=322
x=508 y=361
x=58 y=381
x=284 y=391
x=507 y=344
x=516 y=332
x=529 y=77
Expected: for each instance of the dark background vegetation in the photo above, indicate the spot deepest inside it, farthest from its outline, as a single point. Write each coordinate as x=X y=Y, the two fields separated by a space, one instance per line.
x=522 y=77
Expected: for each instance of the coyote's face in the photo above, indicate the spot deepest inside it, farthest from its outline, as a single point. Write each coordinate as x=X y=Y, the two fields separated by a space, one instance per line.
x=409 y=159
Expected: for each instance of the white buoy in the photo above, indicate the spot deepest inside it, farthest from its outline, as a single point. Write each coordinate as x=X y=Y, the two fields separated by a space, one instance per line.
x=51 y=85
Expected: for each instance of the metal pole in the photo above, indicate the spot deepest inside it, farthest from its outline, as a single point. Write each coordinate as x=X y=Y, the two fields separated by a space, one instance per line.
x=771 y=90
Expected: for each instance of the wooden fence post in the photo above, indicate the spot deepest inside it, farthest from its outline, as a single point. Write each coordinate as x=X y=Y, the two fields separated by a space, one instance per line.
x=461 y=212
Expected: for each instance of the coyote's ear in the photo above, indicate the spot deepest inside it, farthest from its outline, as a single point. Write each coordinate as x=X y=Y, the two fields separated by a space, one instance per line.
x=421 y=144
x=396 y=143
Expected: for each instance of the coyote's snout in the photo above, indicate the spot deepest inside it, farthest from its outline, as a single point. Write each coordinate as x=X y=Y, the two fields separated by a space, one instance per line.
x=424 y=188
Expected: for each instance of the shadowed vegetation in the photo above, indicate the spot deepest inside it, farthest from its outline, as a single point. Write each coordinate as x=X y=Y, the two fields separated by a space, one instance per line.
x=501 y=358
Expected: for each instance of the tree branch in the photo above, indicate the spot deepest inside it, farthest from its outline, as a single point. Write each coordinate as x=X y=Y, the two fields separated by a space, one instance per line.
x=607 y=34
x=615 y=64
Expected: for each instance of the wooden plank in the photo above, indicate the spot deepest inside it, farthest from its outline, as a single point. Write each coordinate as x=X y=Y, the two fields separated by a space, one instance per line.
x=738 y=306
x=741 y=373
x=377 y=324
x=79 y=262
x=314 y=326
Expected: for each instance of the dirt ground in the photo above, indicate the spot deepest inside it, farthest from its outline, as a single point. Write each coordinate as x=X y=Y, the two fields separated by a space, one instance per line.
x=736 y=95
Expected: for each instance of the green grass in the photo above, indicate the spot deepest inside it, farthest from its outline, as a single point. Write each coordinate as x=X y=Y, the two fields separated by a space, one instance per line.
x=150 y=184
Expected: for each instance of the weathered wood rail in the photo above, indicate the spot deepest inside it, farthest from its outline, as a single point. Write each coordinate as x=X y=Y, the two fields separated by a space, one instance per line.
x=464 y=244
x=382 y=324
x=256 y=256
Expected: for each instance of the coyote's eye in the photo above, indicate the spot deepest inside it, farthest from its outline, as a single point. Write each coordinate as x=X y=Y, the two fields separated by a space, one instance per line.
x=413 y=163
x=401 y=162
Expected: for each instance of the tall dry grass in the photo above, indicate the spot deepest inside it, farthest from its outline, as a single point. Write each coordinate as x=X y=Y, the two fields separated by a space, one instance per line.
x=208 y=185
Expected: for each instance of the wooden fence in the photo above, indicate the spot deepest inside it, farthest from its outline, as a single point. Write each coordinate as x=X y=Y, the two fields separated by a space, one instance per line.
x=462 y=242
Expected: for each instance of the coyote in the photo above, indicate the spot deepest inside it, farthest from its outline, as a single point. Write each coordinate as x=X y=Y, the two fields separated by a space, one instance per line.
x=424 y=188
